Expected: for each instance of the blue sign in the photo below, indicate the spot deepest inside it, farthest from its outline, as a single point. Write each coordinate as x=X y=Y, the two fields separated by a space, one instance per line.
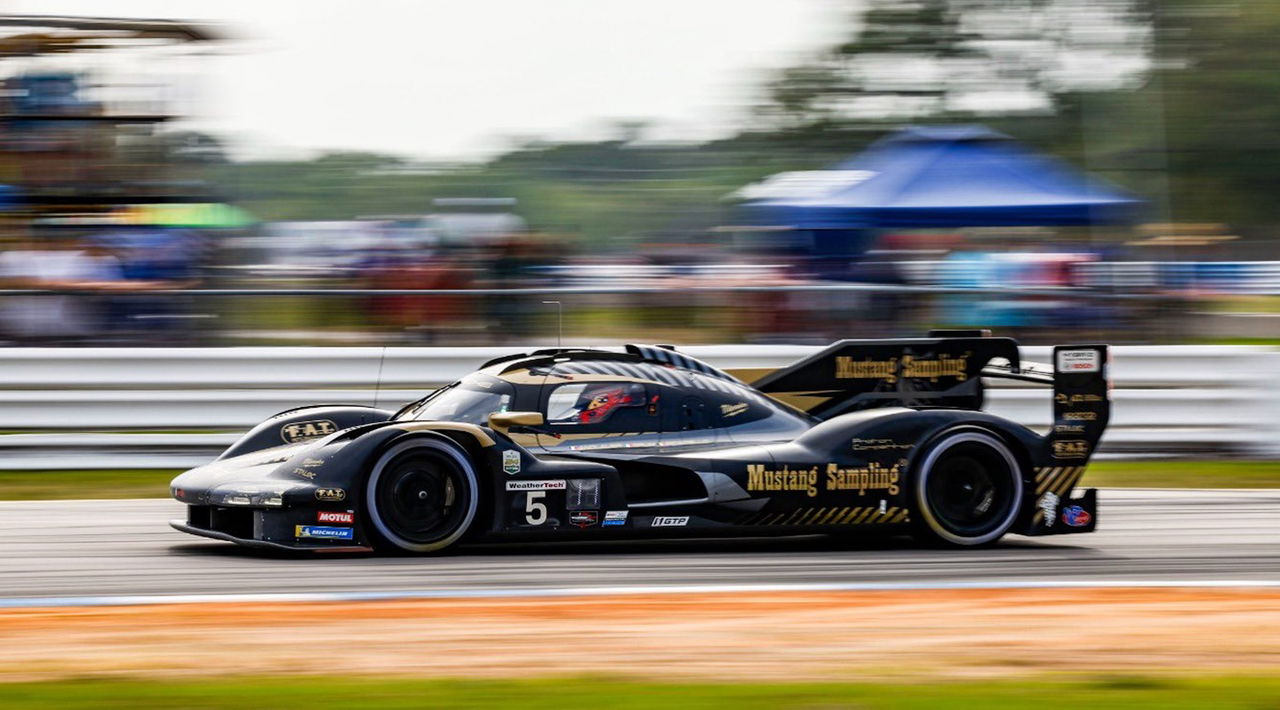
x=326 y=532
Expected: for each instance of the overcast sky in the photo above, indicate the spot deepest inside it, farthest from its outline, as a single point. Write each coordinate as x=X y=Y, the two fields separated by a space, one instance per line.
x=458 y=78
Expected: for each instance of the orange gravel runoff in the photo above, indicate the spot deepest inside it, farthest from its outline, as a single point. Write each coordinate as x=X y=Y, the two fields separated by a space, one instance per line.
x=765 y=637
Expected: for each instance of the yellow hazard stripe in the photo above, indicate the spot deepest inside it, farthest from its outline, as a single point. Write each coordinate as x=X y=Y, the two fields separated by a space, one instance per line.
x=811 y=516
x=848 y=518
x=832 y=516
x=1069 y=482
x=1058 y=478
x=1044 y=476
x=858 y=515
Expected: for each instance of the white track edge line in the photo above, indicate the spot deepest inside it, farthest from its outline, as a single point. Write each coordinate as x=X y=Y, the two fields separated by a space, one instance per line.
x=553 y=592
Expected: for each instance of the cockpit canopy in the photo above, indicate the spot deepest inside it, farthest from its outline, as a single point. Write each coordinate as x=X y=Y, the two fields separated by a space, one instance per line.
x=583 y=399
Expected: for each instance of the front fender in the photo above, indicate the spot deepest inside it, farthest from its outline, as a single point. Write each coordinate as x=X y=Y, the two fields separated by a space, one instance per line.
x=340 y=460
x=497 y=460
x=304 y=424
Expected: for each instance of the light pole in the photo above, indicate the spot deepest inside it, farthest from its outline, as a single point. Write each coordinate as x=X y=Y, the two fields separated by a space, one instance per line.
x=559 y=321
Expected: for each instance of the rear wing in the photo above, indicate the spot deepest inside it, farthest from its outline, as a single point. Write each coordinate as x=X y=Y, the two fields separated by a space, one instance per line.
x=1081 y=397
x=947 y=371
x=852 y=375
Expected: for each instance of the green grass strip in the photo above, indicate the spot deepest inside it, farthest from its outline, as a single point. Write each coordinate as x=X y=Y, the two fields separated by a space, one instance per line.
x=66 y=485
x=1183 y=474
x=63 y=485
x=336 y=690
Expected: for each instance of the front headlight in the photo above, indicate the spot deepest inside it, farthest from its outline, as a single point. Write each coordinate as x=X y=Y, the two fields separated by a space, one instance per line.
x=269 y=495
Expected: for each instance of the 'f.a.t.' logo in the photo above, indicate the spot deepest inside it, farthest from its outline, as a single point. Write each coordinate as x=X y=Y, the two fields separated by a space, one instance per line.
x=301 y=431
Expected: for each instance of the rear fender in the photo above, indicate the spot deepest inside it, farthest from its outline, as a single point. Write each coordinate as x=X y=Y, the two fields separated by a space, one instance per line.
x=897 y=438
x=1020 y=440
x=908 y=430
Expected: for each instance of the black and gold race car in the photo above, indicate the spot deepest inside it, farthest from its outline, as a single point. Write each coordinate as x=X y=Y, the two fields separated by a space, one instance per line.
x=569 y=444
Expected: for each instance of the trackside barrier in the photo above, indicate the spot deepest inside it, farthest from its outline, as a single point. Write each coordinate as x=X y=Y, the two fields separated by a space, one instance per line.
x=106 y=408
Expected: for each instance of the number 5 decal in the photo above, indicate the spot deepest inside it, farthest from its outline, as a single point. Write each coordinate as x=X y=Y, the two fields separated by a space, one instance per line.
x=535 y=510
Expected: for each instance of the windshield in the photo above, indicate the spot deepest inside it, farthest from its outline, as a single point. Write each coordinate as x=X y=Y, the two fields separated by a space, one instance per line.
x=466 y=402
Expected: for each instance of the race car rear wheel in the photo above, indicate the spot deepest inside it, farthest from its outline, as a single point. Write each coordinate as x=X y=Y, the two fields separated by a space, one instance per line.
x=967 y=490
x=421 y=496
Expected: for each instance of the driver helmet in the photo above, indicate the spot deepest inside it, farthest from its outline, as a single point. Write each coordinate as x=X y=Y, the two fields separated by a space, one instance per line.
x=598 y=401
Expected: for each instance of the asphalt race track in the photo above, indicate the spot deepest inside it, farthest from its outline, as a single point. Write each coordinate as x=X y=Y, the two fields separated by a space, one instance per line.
x=107 y=548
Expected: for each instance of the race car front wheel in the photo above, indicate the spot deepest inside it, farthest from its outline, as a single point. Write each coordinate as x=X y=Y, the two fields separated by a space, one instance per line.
x=421 y=496
x=967 y=488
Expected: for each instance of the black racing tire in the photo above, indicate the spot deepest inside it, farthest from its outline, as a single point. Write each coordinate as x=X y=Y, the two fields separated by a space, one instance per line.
x=421 y=496
x=968 y=489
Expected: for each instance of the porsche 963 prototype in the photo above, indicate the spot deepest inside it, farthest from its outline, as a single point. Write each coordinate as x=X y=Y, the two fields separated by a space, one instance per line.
x=884 y=436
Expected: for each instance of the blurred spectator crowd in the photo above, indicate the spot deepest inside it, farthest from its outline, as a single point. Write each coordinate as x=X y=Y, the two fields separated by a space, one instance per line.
x=110 y=282
x=340 y=283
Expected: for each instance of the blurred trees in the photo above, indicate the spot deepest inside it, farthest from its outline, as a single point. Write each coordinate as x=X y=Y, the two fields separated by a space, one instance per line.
x=1219 y=78
x=609 y=194
x=929 y=60
x=1175 y=99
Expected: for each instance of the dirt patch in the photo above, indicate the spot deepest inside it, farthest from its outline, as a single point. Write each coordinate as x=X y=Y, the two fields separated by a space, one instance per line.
x=792 y=636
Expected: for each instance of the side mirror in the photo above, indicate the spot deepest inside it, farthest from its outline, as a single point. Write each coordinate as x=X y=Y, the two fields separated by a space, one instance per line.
x=502 y=421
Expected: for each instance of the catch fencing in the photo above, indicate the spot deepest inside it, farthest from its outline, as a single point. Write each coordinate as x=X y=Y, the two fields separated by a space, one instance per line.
x=108 y=408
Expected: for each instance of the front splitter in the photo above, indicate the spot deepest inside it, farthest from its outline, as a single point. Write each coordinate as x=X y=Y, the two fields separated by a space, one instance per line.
x=182 y=526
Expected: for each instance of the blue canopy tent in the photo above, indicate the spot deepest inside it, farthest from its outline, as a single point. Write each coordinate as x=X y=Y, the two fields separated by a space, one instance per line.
x=936 y=177
x=9 y=197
